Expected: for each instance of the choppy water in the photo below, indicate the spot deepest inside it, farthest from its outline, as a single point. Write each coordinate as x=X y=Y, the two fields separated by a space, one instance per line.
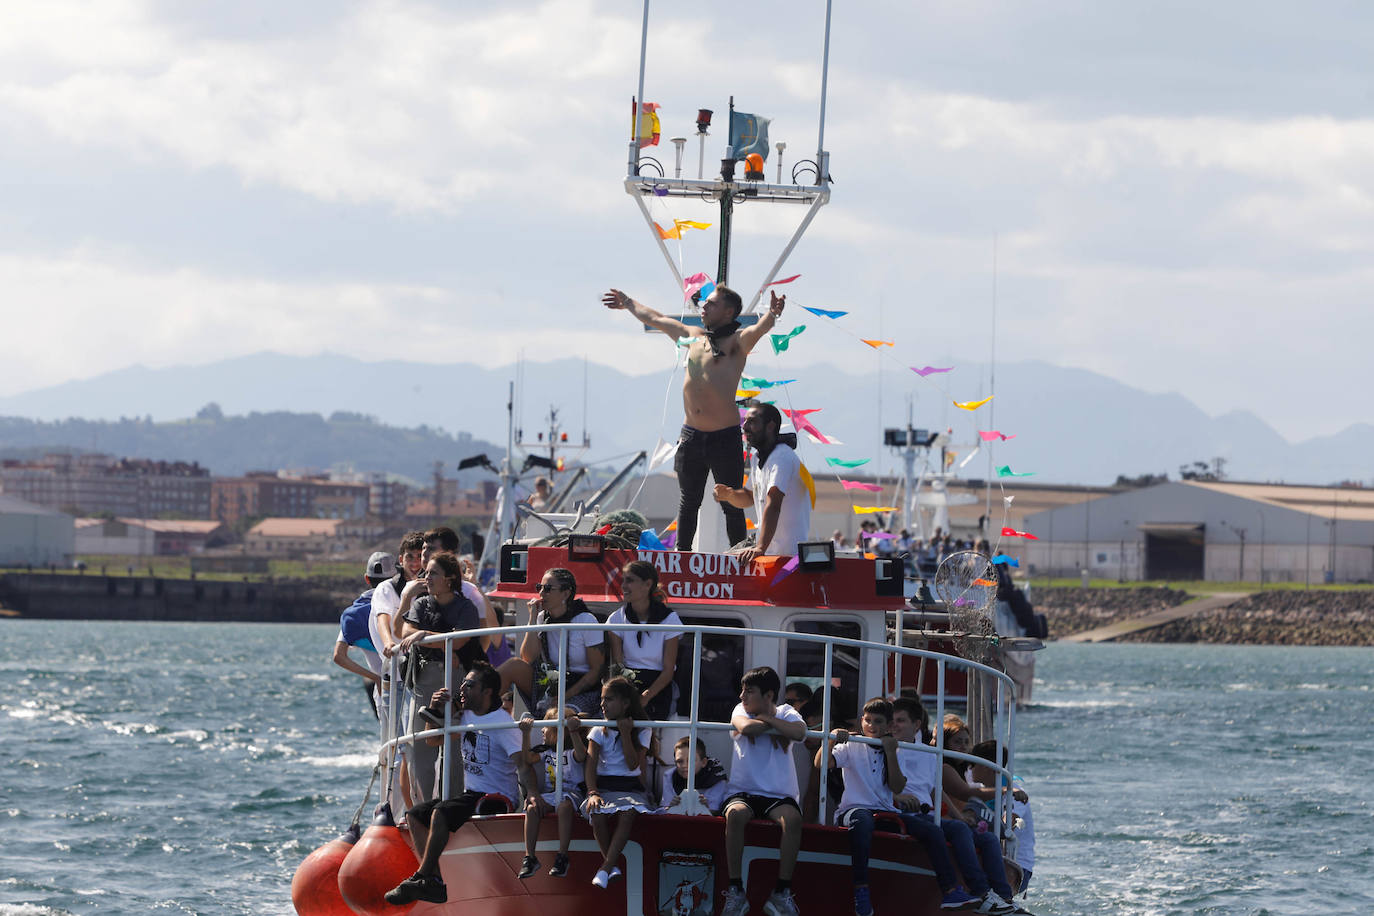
x=190 y=767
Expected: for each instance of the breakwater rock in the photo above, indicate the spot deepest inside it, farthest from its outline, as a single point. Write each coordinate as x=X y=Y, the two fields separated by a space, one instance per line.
x=1073 y=610
x=1278 y=618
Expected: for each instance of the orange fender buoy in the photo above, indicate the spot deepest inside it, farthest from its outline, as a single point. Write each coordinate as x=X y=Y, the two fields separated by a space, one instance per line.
x=378 y=862
x=315 y=886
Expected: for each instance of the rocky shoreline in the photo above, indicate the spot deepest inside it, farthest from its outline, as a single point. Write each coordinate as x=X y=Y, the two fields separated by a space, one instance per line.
x=1277 y=617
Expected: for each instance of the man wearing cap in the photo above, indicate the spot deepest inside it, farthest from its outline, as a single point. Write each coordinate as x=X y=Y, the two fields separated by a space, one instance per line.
x=354 y=626
x=779 y=495
x=710 y=434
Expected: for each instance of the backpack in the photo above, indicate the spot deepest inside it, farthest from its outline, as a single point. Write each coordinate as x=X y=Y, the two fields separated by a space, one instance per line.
x=353 y=622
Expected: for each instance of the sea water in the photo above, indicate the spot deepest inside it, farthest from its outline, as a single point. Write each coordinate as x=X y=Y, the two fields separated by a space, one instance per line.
x=188 y=768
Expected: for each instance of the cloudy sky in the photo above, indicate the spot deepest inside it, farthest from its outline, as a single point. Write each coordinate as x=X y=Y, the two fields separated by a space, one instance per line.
x=1179 y=195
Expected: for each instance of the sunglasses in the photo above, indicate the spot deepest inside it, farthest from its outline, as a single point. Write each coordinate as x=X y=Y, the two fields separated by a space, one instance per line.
x=544 y=587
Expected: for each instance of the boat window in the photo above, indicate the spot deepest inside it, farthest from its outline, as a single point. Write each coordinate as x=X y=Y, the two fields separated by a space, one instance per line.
x=806 y=663
x=722 y=666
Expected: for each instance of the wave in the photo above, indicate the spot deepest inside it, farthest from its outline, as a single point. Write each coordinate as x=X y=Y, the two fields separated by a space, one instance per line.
x=352 y=761
x=30 y=909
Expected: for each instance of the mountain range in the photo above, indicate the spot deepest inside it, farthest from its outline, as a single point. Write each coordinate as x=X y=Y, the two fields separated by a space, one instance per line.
x=1066 y=425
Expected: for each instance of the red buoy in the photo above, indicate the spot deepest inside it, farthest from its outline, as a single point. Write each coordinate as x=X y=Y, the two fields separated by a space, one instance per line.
x=378 y=862
x=315 y=886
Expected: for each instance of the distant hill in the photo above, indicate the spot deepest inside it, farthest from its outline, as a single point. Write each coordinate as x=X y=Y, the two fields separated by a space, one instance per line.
x=230 y=445
x=1071 y=425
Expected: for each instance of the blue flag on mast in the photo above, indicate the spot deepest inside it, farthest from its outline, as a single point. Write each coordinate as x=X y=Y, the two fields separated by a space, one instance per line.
x=748 y=134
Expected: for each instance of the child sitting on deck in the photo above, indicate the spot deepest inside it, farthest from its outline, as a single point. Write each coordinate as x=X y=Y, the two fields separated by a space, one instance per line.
x=615 y=760
x=547 y=763
x=710 y=781
x=1023 y=826
x=958 y=792
x=917 y=800
x=763 y=784
x=872 y=777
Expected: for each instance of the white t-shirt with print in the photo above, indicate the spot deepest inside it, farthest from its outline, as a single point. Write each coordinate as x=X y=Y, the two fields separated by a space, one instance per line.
x=648 y=656
x=758 y=766
x=488 y=761
x=863 y=777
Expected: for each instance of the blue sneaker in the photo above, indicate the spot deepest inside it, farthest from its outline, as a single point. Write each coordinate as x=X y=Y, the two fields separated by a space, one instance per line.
x=863 y=905
x=958 y=899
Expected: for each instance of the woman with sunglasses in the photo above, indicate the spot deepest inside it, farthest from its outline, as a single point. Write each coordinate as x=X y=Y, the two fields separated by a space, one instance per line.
x=536 y=671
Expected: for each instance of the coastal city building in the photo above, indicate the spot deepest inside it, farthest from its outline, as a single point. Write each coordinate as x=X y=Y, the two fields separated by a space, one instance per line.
x=1215 y=530
x=34 y=535
x=270 y=493
x=294 y=536
x=95 y=484
x=148 y=536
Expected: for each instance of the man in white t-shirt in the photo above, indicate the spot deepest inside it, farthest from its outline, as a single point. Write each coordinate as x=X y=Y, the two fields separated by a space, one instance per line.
x=491 y=761
x=779 y=495
x=763 y=784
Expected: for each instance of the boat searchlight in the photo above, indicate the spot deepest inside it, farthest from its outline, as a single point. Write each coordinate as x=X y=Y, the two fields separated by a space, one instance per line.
x=816 y=556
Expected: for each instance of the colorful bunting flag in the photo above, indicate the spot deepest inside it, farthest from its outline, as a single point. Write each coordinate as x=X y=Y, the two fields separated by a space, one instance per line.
x=746 y=392
x=782 y=341
x=1006 y=471
x=847 y=462
x=1013 y=533
x=1010 y=561
x=930 y=370
x=875 y=344
x=783 y=280
x=991 y=434
x=647 y=129
x=823 y=313
x=809 y=481
x=678 y=226
x=858 y=485
x=763 y=382
x=986 y=583
x=786 y=570
x=872 y=510
x=798 y=418
x=972 y=405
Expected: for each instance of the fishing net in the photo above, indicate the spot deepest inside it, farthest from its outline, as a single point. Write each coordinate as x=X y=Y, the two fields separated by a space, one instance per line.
x=967 y=583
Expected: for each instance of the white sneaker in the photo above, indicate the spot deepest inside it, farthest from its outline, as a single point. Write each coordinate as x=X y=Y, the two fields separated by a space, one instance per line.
x=994 y=905
x=602 y=878
x=780 y=904
x=736 y=903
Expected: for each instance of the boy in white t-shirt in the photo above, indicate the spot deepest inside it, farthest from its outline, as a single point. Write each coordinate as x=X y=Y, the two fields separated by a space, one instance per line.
x=871 y=776
x=491 y=761
x=763 y=784
x=922 y=773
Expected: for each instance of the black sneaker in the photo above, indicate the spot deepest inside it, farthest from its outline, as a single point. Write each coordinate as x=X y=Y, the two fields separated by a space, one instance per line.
x=528 y=866
x=560 y=866
x=429 y=888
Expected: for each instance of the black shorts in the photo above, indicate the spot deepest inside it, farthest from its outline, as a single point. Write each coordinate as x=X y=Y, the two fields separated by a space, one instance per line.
x=457 y=811
x=760 y=805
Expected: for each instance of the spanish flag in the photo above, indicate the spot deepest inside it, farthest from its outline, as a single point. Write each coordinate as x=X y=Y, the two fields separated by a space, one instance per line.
x=647 y=127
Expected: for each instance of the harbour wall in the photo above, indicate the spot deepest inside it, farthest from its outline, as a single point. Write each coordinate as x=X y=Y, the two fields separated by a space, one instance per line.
x=95 y=597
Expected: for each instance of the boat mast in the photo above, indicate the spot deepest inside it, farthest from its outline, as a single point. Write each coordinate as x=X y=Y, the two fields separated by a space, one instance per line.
x=724 y=188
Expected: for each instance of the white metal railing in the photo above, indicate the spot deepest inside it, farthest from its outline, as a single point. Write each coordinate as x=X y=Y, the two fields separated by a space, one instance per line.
x=1004 y=711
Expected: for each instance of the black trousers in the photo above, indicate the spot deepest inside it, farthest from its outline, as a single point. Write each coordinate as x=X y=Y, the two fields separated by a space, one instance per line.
x=721 y=452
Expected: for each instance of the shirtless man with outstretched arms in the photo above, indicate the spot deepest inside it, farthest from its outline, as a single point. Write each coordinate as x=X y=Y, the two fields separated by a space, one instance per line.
x=710 y=439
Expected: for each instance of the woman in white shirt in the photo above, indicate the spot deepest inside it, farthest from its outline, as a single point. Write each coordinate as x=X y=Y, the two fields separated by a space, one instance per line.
x=649 y=658
x=557 y=602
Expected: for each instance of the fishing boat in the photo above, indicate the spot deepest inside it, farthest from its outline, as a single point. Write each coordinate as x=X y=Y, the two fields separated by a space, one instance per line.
x=821 y=620
x=843 y=624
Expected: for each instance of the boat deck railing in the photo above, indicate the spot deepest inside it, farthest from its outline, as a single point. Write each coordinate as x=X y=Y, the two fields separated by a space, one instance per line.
x=1004 y=711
